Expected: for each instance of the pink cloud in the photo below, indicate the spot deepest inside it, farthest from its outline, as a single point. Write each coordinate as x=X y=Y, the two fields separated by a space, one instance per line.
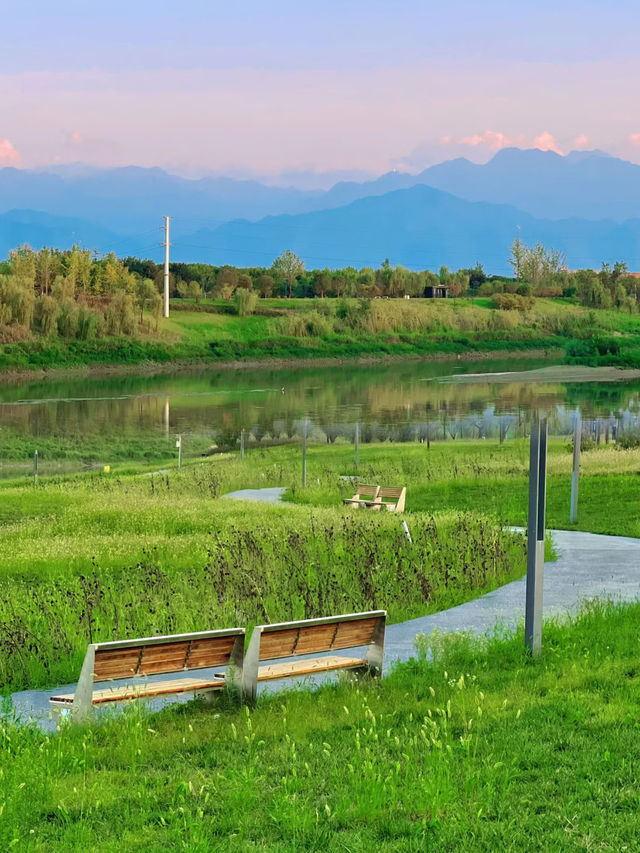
x=546 y=142
x=492 y=140
x=635 y=138
x=581 y=141
x=9 y=156
x=75 y=138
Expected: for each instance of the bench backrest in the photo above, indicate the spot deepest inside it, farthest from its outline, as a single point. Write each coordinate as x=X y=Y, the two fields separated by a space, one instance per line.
x=366 y=491
x=159 y=655
x=311 y=636
x=393 y=496
x=391 y=491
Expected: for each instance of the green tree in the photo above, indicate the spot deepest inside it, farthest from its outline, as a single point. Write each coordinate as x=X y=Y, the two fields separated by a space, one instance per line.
x=145 y=292
x=288 y=266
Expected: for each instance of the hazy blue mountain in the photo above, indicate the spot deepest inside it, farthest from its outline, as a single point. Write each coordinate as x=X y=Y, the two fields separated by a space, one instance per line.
x=586 y=184
x=42 y=229
x=420 y=227
x=133 y=200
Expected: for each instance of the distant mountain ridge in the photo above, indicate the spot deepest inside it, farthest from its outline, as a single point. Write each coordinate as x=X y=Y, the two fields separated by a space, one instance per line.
x=419 y=227
x=586 y=204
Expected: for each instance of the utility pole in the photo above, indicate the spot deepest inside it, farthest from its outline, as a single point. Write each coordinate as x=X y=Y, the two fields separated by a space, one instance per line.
x=166 y=245
x=35 y=468
x=179 y=446
x=357 y=445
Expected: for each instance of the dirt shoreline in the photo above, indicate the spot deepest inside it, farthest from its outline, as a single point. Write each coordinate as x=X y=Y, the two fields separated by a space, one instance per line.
x=154 y=368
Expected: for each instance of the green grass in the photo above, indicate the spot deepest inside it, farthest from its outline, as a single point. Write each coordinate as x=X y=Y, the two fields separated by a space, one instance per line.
x=104 y=556
x=485 y=476
x=480 y=749
x=316 y=329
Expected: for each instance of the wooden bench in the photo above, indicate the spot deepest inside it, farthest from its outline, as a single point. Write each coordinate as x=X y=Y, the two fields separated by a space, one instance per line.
x=365 y=496
x=392 y=498
x=310 y=637
x=126 y=660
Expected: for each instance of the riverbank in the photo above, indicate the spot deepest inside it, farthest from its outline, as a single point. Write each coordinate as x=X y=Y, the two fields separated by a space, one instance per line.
x=333 y=332
x=151 y=368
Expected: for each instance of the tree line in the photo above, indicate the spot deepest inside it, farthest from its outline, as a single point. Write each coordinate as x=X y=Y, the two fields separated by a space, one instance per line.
x=77 y=294
x=74 y=295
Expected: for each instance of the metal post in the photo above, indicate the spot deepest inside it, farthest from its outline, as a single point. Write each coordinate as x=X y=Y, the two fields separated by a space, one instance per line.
x=357 y=444
x=304 y=454
x=166 y=417
x=536 y=530
x=575 y=476
x=35 y=468
x=179 y=446
x=166 y=266
x=242 y=443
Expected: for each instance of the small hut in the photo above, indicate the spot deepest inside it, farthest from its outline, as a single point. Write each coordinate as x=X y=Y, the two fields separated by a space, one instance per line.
x=436 y=291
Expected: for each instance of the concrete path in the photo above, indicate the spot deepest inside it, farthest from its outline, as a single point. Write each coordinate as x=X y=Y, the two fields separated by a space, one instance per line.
x=588 y=566
x=271 y=495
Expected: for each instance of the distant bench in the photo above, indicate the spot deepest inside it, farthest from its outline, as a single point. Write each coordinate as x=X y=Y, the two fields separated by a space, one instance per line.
x=306 y=640
x=391 y=498
x=130 y=659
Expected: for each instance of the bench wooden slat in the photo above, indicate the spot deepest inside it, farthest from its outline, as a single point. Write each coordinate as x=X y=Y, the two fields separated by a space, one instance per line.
x=279 y=644
x=139 y=691
x=307 y=667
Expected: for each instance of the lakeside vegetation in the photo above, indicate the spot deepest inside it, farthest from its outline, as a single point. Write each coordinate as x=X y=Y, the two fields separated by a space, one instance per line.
x=68 y=309
x=479 y=749
x=77 y=565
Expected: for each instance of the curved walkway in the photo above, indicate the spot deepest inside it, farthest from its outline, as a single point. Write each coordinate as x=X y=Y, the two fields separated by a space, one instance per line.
x=588 y=566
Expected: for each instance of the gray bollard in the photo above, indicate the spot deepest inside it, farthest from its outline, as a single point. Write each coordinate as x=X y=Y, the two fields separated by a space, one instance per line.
x=536 y=531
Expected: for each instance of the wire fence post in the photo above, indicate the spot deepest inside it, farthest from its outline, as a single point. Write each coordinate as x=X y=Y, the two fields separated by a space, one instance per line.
x=304 y=454
x=575 y=476
x=242 y=443
x=179 y=446
x=535 y=534
x=357 y=445
x=35 y=468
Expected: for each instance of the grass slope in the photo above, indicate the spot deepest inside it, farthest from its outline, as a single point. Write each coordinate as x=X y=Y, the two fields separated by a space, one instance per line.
x=300 y=329
x=481 y=749
x=101 y=557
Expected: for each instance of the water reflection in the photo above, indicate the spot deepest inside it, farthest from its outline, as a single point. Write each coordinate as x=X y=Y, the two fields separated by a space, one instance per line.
x=392 y=402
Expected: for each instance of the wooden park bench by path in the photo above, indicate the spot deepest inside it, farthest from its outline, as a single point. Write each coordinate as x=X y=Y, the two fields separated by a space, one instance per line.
x=275 y=643
x=391 y=498
x=365 y=496
x=128 y=661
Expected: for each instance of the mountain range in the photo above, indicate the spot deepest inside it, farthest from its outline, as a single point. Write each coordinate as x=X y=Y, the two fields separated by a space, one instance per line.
x=457 y=213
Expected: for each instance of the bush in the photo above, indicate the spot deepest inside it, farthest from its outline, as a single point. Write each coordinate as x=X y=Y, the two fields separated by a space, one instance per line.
x=513 y=301
x=245 y=302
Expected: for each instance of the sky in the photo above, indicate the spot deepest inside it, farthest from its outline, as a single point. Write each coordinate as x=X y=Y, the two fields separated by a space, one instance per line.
x=344 y=86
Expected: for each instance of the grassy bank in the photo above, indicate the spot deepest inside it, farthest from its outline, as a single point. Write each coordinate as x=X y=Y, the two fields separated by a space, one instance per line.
x=97 y=557
x=483 y=475
x=320 y=329
x=481 y=749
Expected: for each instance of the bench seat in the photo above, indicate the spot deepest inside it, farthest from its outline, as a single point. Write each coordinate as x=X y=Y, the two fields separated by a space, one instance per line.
x=308 y=667
x=272 y=647
x=124 y=666
x=142 y=691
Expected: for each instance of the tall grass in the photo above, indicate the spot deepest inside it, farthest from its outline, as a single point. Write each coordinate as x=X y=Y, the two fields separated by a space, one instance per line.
x=238 y=569
x=480 y=749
